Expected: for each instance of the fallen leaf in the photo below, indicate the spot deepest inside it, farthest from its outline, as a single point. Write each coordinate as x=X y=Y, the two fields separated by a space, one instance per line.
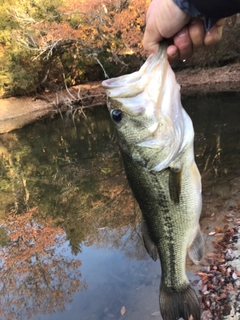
x=123 y=310
x=237 y=272
x=218 y=230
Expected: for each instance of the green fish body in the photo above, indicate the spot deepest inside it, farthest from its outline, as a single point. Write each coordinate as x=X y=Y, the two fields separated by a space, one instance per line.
x=156 y=141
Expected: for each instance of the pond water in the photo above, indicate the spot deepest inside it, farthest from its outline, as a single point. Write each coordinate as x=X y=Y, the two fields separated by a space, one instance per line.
x=70 y=242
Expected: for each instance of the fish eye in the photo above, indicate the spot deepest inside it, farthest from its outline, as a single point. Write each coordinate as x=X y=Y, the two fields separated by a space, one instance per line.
x=116 y=115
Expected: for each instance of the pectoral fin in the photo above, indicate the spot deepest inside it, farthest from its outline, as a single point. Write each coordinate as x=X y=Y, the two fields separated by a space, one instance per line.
x=195 y=251
x=149 y=245
x=175 y=181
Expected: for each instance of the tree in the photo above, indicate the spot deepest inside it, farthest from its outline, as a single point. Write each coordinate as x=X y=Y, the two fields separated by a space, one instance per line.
x=56 y=41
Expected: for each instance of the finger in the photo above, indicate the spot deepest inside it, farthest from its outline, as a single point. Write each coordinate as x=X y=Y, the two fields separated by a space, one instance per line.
x=151 y=39
x=196 y=32
x=172 y=53
x=215 y=33
x=184 y=44
x=158 y=24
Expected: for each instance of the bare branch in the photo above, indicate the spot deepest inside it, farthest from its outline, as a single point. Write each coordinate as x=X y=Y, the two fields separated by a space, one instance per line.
x=20 y=17
x=74 y=98
x=94 y=55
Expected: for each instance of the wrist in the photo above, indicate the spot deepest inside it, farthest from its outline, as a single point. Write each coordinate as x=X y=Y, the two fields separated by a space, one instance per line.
x=187 y=7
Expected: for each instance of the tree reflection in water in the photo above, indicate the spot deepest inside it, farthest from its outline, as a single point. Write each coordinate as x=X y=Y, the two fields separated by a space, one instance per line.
x=61 y=185
x=36 y=277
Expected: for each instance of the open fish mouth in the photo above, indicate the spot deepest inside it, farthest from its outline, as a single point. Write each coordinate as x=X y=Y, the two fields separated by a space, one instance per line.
x=151 y=98
x=148 y=79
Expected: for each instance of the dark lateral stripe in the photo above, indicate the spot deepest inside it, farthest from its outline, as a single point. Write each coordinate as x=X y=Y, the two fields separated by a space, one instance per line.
x=168 y=225
x=174 y=183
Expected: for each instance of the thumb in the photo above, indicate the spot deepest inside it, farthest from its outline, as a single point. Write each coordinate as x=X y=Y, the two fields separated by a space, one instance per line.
x=151 y=39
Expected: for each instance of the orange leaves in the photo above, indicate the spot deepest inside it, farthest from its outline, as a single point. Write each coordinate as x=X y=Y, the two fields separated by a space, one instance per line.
x=63 y=36
x=112 y=24
x=27 y=237
x=219 y=278
x=30 y=262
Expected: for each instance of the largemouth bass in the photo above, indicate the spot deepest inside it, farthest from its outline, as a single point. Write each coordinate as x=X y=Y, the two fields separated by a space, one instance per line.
x=156 y=142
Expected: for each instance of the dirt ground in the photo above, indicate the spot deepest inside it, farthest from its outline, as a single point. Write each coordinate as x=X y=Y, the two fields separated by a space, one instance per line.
x=226 y=78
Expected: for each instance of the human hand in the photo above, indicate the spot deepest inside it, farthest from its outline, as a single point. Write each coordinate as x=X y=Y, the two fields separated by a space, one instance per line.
x=166 y=20
x=192 y=37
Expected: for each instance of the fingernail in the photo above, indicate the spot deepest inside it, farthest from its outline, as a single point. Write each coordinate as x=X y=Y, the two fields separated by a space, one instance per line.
x=182 y=33
x=172 y=54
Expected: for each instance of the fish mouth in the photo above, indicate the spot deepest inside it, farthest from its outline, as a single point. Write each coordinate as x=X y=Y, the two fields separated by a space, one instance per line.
x=148 y=79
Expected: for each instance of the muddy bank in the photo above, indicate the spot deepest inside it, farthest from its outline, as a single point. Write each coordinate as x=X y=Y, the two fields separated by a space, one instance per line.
x=197 y=81
x=17 y=112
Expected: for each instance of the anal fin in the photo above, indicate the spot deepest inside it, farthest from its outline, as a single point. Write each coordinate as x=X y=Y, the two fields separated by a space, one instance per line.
x=195 y=251
x=149 y=245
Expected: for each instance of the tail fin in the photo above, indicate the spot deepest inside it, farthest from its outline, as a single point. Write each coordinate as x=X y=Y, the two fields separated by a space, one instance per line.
x=181 y=304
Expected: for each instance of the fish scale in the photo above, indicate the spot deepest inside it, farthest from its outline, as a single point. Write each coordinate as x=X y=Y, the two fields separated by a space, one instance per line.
x=162 y=217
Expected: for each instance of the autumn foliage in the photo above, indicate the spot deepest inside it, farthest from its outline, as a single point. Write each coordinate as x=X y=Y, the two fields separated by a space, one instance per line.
x=45 y=41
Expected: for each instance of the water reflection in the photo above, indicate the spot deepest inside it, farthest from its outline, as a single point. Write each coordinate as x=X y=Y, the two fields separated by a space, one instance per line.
x=69 y=236
x=72 y=174
x=35 y=276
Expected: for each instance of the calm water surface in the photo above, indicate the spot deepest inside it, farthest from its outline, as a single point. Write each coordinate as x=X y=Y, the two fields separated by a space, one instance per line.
x=69 y=230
